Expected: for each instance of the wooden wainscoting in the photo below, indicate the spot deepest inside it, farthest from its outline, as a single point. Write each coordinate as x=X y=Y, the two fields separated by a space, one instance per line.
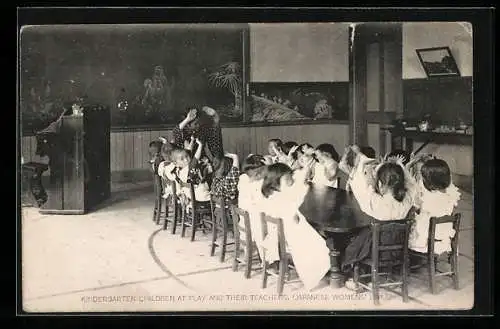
x=129 y=149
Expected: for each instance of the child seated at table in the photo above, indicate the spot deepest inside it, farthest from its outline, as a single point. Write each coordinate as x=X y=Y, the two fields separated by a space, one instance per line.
x=273 y=147
x=284 y=190
x=187 y=171
x=385 y=192
x=347 y=162
x=249 y=192
x=226 y=176
x=437 y=196
x=325 y=168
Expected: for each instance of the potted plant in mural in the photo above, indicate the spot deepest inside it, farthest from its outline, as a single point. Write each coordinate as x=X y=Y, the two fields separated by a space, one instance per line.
x=229 y=76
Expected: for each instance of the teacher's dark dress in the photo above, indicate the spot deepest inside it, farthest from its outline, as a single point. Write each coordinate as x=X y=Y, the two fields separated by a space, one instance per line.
x=211 y=136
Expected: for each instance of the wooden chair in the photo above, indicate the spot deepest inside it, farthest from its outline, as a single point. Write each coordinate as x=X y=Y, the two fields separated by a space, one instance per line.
x=285 y=258
x=389 y=249
x=220 y=223
x=431 y=258
x=194 y=213
x=243 y=238
x=158 y=189
x=172 y=203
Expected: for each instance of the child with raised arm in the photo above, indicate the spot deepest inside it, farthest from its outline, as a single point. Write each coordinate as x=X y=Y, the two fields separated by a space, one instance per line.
x=325 y=168
x=273 y=148
x=437 y=196
x=187 y=171
x=226 y=177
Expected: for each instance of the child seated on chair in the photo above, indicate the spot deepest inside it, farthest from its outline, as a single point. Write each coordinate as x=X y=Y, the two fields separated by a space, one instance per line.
x=384 y=192
x=437 y=196
x=324 y=171
x=155 y=154
x=347 y=162
x=165 y=167
x=226 y=177
x=187 y=171
x=283 y=191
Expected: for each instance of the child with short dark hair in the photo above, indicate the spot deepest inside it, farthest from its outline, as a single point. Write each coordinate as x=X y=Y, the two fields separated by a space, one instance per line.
x=166 y=166
x=187 y=171
x=437 y=196
x=273 y=147
x=155 y=154
x=226 y=177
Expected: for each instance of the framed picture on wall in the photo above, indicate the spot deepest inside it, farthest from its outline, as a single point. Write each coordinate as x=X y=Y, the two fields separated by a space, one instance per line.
x=438 y=62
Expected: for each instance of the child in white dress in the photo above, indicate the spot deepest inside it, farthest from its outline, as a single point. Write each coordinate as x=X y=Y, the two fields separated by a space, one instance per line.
x=437 y=196
x=165 y=167
x=384 y=192
x=284 y=191
x=325 y=169
x=249 y=193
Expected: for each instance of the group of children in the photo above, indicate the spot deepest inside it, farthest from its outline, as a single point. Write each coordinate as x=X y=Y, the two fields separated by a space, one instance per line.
x=386 y=188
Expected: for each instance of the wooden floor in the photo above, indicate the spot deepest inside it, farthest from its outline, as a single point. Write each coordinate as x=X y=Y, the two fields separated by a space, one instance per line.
x=117 y=259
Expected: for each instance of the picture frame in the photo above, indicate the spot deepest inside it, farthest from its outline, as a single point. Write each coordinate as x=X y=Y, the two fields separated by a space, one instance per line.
x=438 y=62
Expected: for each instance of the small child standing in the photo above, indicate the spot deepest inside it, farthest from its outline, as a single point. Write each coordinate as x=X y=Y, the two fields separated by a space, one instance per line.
x=325 y=168
x=437 y=196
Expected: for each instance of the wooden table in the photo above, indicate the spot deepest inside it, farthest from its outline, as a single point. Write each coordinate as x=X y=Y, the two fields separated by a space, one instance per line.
x=336 y=214
x=403 y=137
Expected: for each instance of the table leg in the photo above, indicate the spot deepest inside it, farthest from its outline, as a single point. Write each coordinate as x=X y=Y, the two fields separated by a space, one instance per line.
x=336 y=276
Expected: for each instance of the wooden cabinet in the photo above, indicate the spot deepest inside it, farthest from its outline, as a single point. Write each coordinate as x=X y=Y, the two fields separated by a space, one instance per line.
x=80 y=176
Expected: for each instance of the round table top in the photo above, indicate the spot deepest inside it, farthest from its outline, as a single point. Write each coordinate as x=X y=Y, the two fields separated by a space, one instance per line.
x=333 y=210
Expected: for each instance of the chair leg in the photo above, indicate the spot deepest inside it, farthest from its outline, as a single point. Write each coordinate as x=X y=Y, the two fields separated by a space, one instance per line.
x=431 y=267
x=454 y=268
x=248 y=260
x=223 y=246
x=264 y=271
x=236 y=253
x=183 y=222
x=283 y=265
x=375 y=287
x=155 y=210
x=404 y=279
x=355 y=276
x=175 y=208
x=214 y=238
x=194 y=224
x=165 y=222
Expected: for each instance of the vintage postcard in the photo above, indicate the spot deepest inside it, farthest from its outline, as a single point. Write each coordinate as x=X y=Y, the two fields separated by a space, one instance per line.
x=223 y=167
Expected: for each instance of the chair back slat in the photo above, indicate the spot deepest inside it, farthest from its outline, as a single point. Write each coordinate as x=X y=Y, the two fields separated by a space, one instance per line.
x=390 y=241
x=278 y=223
x=434 y=221
x=239 y=225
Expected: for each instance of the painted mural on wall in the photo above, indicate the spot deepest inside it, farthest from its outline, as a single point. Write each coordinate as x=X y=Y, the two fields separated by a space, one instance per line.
x=147 y=76
x=280 y=102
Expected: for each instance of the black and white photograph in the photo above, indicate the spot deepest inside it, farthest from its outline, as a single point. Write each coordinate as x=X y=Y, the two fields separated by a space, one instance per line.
x=299 y=166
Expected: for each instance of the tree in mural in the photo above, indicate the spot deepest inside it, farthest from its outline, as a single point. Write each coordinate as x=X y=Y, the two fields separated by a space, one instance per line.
x=229 y=76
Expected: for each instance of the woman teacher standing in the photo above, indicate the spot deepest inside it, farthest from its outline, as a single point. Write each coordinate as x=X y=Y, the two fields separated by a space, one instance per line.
x=203 y=124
